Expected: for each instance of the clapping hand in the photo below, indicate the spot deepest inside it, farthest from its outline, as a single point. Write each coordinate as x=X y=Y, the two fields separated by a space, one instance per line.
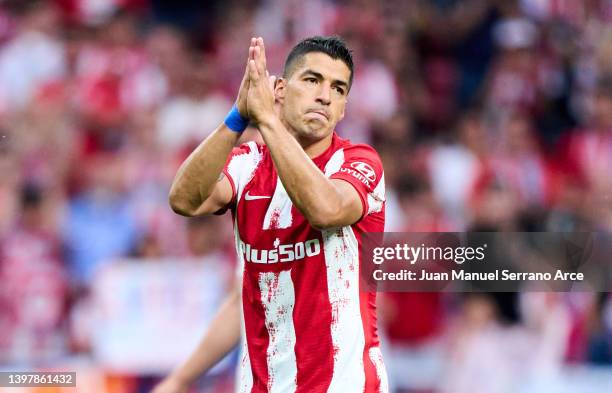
x=260 y=85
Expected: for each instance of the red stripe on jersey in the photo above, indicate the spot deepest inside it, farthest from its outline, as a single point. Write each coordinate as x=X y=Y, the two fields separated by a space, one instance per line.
x=256 y=331
x=312 y=321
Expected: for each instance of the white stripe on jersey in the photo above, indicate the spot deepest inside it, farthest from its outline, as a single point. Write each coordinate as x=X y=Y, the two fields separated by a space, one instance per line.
x=335 y=162
x=278 y=299
x=242 y=168
x=376 y=357
x=348 y=341
x=278 y=214
x=244 y=378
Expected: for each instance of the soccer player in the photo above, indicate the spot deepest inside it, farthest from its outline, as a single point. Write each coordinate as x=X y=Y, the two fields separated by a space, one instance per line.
x=300 y=205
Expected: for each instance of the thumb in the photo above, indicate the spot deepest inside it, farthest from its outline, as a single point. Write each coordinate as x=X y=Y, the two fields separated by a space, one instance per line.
x=253 y=73
x=244 y=84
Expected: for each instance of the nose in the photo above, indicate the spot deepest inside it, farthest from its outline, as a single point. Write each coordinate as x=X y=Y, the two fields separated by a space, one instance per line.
x=324 y=94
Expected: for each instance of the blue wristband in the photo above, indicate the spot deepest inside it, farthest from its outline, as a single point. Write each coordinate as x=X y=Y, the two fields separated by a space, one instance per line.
x=234 y=120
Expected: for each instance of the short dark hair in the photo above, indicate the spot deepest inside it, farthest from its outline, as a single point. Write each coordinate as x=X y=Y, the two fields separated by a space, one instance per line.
x=333 y=46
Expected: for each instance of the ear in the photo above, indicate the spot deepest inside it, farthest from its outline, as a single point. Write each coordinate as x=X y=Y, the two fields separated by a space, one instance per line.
x=280 y=86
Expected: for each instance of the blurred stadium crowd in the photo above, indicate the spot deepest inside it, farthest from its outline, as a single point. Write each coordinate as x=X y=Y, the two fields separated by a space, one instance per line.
x=489 y=115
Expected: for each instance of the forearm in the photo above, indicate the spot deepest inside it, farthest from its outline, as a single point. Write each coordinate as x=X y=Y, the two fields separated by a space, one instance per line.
x=223 y=334
x=196 y=177
x=309 y=189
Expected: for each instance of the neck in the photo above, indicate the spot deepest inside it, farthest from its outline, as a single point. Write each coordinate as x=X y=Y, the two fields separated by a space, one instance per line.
x=315 y=148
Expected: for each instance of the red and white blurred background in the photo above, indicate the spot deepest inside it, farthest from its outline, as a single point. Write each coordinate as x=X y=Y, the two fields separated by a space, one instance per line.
x=489 y=115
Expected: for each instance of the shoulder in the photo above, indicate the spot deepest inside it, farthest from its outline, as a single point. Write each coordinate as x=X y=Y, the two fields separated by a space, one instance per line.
x=360 y=165
x=351 y=149
x=364 y=159
x=361 y=150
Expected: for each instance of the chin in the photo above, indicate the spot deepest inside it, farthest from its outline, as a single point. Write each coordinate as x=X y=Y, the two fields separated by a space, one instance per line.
x=319 y=127
x=311 y=131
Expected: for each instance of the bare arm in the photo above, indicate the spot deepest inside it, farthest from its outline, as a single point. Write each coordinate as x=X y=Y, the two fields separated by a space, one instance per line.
x=326 y=203
x=197 y=187
x=222 y=335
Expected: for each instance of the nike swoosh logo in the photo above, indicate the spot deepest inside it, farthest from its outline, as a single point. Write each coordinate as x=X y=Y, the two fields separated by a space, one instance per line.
x=249 y=197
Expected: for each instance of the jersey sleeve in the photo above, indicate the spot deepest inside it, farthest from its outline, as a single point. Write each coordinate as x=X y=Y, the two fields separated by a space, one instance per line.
x=362 y=168
x=239 y=169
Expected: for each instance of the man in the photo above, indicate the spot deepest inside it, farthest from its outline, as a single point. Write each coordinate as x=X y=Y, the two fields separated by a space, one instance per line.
x=300 y=205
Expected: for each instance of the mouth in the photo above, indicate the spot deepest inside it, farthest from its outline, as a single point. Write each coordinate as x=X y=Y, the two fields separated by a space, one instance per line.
x=320 y=113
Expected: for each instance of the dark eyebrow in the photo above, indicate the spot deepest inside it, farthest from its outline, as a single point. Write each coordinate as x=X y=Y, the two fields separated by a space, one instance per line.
x=318 y=75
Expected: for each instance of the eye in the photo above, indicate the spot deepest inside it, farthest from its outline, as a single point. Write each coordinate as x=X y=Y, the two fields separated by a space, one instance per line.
x=311 y=80
x=339 y=90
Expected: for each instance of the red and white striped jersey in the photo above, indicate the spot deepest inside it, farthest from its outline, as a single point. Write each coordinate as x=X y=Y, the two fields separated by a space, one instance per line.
x=306 y=325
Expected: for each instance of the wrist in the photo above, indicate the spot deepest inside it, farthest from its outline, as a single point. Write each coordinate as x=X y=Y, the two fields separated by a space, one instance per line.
x=235 y=121
x=268 y=121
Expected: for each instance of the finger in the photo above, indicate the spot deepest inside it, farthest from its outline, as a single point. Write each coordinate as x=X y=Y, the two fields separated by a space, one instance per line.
x=261 y=68
x=251 y=46
x=253 y=73
x=262 y=47
x=245 y=78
